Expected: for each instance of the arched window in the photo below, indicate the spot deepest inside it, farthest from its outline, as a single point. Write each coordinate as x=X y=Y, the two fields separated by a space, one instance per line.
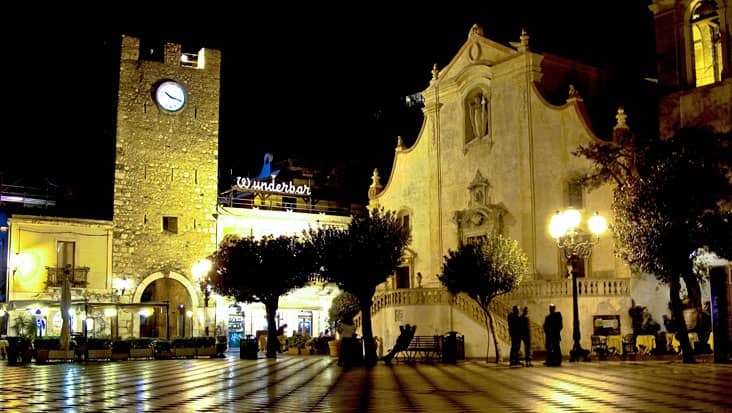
x=707 y=43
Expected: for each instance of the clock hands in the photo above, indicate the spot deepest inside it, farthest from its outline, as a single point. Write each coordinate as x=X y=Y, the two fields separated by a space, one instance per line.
x=173 y=97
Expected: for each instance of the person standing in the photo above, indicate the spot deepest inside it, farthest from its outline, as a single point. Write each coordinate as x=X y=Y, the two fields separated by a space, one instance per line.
x=347 y=330
x=514 y=332
x=552 y=330
x=525 y=333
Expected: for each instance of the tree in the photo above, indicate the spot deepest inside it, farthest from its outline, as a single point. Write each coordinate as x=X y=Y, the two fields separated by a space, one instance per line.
x=483 y=271
x=344 y=306
x=261 y=270
x=672 y=201
x=359 y=258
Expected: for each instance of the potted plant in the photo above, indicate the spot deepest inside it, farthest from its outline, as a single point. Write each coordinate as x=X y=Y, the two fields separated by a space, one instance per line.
x=205 y=346
x=44 y=346
x=120 y=350
x=184 y=347
x=163 y=348
x=141 y=347
x=20 y=347
x=295 y=344
x=99 y=348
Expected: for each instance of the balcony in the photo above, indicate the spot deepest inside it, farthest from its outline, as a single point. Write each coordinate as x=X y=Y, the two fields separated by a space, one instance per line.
x=77 y=276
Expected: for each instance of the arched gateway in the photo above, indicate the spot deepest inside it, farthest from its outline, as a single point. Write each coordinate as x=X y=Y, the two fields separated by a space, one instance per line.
x=174 y=309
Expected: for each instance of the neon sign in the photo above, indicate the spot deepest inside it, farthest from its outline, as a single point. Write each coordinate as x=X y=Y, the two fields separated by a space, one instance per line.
x=273 y=186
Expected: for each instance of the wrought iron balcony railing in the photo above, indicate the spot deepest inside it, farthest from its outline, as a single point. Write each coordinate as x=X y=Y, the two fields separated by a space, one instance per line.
x=77 y=276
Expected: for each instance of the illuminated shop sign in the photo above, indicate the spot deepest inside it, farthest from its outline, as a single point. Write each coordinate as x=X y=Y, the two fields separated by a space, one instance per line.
x=286 y=188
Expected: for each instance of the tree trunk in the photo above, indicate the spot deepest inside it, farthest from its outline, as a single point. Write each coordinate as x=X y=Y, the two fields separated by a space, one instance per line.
x=367 y=331
x=677 y=312
x=694 y=291
x=273 y=344
x=493 y=335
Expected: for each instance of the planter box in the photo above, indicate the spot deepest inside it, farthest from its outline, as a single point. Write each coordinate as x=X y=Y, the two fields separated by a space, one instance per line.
x=99 y=354
x=185 y=352
x=120 y=356
x=335 y=347
x=206 y=351
x=61 y=355
x=164 y=354
x=42 y=356
x=141 y=353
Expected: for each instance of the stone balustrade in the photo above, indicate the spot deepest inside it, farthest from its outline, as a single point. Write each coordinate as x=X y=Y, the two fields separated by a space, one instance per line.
x=534 y=289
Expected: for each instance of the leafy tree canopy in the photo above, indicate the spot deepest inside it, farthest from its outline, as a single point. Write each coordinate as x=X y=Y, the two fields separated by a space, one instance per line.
x=485 y=270
x=362 y=256
x=260 y=270
x=673 y=198
x=344 y=306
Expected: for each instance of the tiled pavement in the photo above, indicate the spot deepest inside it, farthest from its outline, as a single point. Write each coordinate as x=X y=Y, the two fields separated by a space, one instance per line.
x=317 y=384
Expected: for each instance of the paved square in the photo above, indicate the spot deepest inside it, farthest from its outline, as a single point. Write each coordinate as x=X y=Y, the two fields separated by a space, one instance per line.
x=317 y=384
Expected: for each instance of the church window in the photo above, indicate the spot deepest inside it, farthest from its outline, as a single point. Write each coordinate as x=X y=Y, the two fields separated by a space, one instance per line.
x=706 y=43
x=575 y=195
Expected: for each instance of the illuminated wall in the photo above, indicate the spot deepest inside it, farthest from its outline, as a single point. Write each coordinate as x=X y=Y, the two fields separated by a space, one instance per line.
x=34 y=240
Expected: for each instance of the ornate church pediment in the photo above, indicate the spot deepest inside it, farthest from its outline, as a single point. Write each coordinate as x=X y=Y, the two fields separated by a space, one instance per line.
x=476 y=48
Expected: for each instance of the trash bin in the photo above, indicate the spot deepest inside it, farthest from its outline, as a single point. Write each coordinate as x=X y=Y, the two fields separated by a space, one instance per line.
x=449 y=348
x=221 y=346
x=248 y=348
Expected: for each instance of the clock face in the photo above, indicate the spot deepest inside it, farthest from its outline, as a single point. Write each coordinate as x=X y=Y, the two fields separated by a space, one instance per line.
x=171 y=96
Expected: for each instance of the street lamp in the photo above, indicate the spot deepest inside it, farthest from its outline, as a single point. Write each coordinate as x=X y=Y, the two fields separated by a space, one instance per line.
x=200 y=272
x=576 y=244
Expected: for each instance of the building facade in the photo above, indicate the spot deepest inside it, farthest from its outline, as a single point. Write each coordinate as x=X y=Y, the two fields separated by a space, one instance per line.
x=134 y=275
x=495 y=156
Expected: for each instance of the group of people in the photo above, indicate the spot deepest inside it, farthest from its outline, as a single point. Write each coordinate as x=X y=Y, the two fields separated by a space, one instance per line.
x=519 y=331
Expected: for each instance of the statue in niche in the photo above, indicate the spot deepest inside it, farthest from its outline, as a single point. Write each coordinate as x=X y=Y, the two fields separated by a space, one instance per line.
x=479 y=116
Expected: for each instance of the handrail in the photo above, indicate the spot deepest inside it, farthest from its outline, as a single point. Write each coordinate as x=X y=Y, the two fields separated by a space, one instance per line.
x=248 y=203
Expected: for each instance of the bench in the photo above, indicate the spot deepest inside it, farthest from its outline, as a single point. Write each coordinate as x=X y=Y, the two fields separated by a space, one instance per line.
x=426 y=348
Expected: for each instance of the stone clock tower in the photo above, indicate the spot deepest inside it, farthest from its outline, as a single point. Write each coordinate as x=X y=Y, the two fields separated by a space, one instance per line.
x=166 y=168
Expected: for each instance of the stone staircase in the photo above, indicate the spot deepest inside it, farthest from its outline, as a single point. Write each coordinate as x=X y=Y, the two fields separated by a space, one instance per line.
x=438 y=296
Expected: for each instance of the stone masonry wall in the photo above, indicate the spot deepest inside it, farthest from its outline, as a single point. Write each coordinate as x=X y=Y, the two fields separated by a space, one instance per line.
x=166 y=166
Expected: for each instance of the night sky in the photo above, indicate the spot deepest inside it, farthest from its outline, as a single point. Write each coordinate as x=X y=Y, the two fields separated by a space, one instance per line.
x=322 y=82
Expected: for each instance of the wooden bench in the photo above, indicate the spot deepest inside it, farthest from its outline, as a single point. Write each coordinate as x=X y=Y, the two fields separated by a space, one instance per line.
x=426 y=348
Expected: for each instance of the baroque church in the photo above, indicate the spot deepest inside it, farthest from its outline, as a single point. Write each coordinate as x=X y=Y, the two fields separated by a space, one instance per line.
x=495 y=156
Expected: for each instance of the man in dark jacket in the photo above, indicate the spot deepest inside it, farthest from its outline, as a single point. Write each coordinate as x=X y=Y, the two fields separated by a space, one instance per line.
x=514 y=332
x=525 y=333
x=553 y=331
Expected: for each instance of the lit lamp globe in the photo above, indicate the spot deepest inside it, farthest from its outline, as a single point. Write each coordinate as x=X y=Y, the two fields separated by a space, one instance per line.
x=201 y=268
x=564 y=222
x=597 y=224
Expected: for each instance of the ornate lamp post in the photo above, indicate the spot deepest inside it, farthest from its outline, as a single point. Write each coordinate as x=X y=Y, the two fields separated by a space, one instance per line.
x=576 y=244
x=200 y=272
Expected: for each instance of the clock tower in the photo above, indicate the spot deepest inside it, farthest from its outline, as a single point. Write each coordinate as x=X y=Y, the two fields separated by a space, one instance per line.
x=166 y=169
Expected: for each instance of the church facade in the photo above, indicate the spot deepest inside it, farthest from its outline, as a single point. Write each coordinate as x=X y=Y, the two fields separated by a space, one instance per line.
x=495 y=156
